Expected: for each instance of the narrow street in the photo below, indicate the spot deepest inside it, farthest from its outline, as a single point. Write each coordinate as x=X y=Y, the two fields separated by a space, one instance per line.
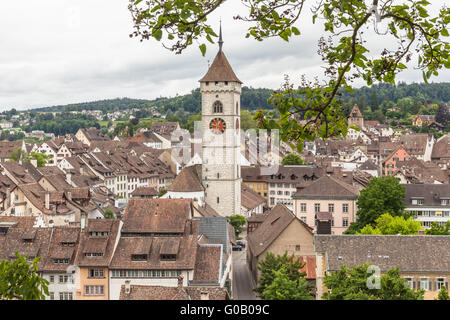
x=242 y=280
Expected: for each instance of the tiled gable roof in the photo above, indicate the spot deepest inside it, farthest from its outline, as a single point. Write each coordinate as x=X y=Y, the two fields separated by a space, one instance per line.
x=409 y=253
x=249 y=198
x=156 y=215
x=207 y=265
x=220 y=70
x=327 y=187
x=188 y=180
x=274 y=224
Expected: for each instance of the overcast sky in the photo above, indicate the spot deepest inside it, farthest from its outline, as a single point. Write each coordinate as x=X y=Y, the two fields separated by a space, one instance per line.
x=56 y=52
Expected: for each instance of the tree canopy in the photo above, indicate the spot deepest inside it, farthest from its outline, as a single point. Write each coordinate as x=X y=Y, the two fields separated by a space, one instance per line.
x=382 y=195
x=20 y=280
x=291 y=271
x=283 y=288
x=292 y=159
x=237 y=221
x=439 y=229
x=387 y=224
x=180 y=23
x=351 y=283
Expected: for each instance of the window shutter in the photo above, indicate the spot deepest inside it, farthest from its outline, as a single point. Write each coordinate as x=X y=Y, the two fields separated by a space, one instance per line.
x=446 y=285
x=430 y=284
x=414 y=283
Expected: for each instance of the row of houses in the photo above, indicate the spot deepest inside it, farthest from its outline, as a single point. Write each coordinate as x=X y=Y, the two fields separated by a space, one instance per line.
x=158 y=246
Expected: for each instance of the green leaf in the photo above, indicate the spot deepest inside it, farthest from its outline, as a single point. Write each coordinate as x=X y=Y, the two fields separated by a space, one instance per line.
x=295 y=31
x=202 y=49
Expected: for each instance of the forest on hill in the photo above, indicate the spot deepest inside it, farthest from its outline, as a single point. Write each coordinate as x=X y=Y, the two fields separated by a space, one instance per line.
x=372 y=101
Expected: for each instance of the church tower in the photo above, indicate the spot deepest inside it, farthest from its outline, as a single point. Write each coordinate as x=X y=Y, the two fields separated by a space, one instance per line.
x=356 y=118
x=221 y=104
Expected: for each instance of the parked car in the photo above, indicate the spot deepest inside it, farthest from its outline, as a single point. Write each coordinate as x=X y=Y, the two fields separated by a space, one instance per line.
x=237 y=247
x=240 y=243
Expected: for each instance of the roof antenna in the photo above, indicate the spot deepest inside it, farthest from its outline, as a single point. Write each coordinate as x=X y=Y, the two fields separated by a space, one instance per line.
x=220 y=37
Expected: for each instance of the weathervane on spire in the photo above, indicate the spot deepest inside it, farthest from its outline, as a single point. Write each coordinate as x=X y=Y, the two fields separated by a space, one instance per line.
x=220 y=36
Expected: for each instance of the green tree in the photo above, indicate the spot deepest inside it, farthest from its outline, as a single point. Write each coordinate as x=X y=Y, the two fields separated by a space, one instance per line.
x=272 y=263
x=439 y=229
x=283 y=288
x=443 y=114
x=109 y=214
x=292 y=159
x=237 y=221
x=443 y=294
x=382 y=195
x=247 y=121
x=18 y=154
x=387 y=224
x=41 y=158
x=20 y=280
x=352 y=283
x=181 y=23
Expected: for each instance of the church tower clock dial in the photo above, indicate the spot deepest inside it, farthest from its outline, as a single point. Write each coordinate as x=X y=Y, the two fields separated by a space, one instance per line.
x=217 y=125
x=221 y=100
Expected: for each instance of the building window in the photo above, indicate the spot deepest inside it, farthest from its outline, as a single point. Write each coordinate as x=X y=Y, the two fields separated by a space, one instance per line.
x=316 y=207
x=345 y=222
x=409 y=282
x=52 y=295
x=52 y=279
x=297 y=247
x=287 y=193
x=272 y=201
x=332 y=222
x=303 y=219
x=65 y=296
x=417 y=201
x=218 y=107
x=331 y=207
x=425 y=283
x=96 y=273
x=217 y=199
x=94 y=290
x=345 y=208
x=64 y=278
x=302 y=207
x=440 y=282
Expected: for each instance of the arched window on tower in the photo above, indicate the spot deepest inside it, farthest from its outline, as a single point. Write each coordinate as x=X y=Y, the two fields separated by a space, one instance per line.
x=217 y=107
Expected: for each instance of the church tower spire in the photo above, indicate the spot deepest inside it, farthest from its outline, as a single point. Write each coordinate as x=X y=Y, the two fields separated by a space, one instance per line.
x=220 y=37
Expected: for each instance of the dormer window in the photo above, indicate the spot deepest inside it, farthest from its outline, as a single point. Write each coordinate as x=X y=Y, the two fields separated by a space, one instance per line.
x=168 y=257
x=98 y=234
x=93 y=254
x=138 y=257
x=68 y=244
x=61 y=261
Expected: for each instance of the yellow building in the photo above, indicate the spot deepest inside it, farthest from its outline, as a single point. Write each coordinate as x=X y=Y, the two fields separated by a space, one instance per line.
x=252 y=179
x=97 y=245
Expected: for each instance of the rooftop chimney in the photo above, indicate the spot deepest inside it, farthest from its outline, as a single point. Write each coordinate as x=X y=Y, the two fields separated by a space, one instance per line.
x=47 y=200
x=127 y=287
x=204 y=295
x=69 y=178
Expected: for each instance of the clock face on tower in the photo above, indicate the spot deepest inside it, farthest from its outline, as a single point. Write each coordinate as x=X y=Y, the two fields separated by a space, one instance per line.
x=217 y=125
